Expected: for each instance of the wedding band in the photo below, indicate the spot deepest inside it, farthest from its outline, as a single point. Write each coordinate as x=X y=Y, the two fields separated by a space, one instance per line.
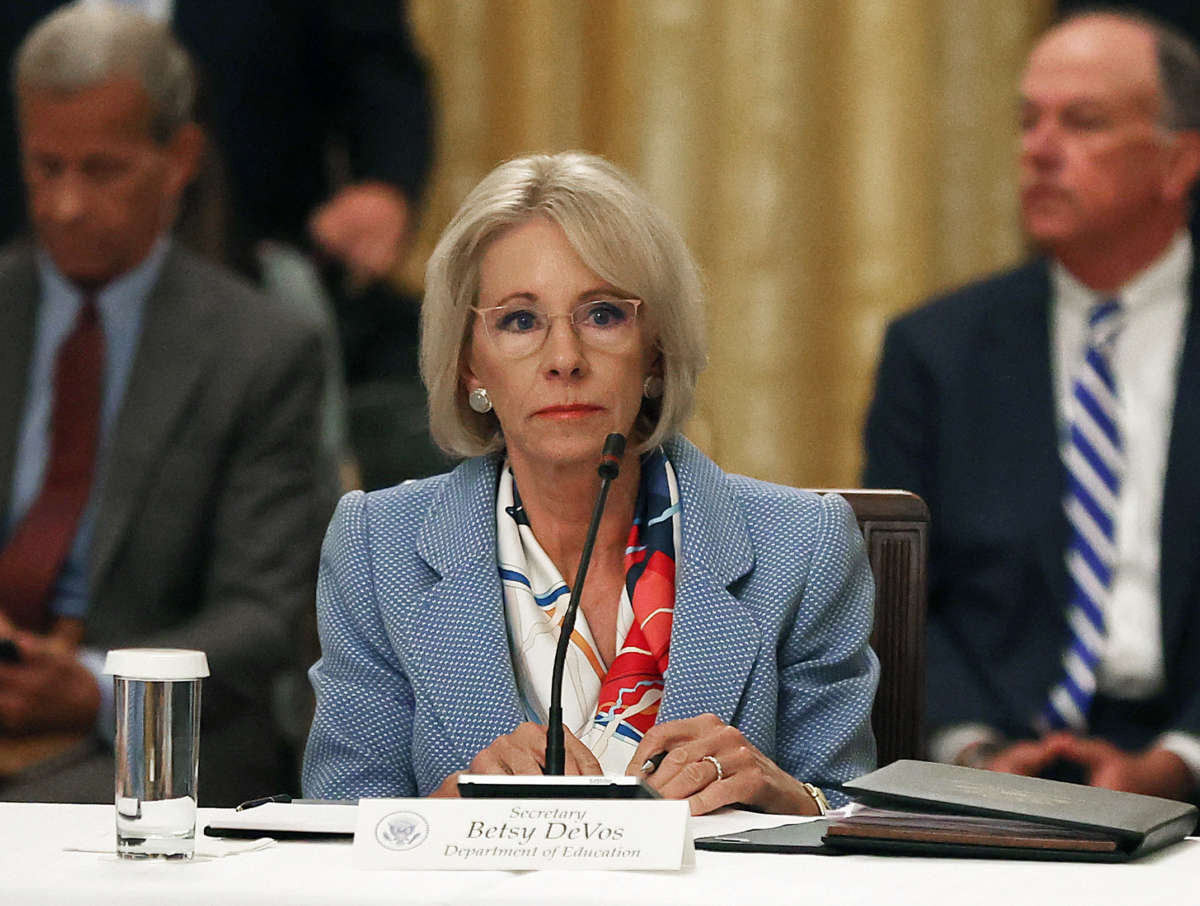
x=716 y=764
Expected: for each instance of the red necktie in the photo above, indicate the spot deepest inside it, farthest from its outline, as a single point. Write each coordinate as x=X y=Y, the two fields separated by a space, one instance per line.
x=34 y=556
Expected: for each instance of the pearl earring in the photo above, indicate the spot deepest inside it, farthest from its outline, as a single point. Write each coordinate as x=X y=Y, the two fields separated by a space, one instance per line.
x=652 y=387
x=478 y=400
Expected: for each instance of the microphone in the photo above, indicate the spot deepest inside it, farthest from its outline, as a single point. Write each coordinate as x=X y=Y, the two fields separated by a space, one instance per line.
x=610 y=466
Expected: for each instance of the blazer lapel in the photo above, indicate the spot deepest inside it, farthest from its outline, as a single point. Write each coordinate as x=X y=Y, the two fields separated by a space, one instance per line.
x=18 y=315
x=714 y=639
x=171 y=357
x=1181 y=487
x=464 y=612
x=1026 y=438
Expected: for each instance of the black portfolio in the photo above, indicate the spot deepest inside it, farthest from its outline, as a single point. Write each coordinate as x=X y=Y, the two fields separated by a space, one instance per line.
x=918 y=807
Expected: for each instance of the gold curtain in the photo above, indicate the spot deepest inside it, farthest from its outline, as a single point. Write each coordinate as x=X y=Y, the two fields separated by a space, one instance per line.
x=831 y=163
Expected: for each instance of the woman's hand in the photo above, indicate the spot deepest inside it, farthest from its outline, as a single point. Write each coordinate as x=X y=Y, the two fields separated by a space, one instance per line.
x=695 y=747
x=523 y=751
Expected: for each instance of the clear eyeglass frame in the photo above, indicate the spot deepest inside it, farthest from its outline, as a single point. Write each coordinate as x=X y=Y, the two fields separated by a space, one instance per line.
x=519 y=344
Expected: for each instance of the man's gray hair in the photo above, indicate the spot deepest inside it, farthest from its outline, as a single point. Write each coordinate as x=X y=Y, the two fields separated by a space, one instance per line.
x=86 y=44
x=1179 y=70
x=1177 y=56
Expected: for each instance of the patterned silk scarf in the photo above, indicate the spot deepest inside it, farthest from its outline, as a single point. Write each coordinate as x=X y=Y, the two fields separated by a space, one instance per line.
x=609 y=710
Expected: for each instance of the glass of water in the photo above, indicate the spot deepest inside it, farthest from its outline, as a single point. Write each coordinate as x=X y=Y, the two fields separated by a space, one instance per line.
x=156 y=749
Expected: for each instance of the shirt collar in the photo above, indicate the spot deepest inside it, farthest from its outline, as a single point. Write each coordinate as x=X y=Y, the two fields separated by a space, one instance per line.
x=118 y=297
x=1167 y=275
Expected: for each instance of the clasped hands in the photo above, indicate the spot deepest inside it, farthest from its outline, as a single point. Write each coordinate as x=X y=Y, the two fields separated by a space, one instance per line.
x=707 y=762
x=1154 y=772
x=47 y=689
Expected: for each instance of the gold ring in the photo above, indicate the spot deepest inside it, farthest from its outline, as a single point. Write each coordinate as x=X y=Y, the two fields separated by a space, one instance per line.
x=716 y=764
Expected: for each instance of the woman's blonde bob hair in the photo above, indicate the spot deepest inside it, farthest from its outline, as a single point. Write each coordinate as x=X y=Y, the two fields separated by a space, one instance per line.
x=618 y=233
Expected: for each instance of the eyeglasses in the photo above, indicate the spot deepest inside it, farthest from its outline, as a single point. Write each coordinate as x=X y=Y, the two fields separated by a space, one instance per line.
x=519 y=328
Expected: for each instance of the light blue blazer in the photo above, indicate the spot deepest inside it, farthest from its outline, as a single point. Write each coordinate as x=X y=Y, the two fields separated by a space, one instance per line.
x=772 y=613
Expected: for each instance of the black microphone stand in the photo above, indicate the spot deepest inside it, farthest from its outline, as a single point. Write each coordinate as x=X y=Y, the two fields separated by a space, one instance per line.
x=609 y=468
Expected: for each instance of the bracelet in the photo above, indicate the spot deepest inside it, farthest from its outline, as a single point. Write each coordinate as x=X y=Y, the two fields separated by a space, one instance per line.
x=817 y=796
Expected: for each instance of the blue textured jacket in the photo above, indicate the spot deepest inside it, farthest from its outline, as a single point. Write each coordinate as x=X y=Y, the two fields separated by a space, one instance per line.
x=772 y=613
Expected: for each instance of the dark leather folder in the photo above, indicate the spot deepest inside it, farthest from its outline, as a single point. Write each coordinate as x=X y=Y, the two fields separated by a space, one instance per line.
x=921 y=808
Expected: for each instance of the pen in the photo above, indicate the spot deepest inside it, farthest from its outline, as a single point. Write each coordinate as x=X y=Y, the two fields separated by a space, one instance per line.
x=285 y=799
x=650 y=765
x=263 y=800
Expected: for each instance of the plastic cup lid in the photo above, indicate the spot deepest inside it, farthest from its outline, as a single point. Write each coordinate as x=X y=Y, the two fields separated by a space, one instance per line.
x=156 y=663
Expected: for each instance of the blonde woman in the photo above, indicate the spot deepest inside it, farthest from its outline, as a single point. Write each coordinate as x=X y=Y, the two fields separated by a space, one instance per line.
x=724 y=621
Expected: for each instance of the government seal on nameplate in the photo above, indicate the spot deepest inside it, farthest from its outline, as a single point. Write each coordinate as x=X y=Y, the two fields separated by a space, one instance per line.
x=402 y=830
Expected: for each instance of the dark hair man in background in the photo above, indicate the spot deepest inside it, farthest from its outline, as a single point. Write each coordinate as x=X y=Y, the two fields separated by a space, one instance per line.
x=1050 y=416
x=159 y=471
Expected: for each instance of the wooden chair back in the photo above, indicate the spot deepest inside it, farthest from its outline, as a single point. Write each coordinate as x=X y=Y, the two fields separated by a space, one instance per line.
x=895 y=525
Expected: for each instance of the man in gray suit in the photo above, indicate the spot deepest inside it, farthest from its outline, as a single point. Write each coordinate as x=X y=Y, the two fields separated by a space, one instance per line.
x=160 y=481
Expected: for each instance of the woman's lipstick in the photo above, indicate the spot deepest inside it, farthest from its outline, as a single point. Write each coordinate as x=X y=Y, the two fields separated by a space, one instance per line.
x=572 y=410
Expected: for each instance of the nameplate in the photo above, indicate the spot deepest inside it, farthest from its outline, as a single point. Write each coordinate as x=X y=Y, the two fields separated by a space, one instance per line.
x=521 y=834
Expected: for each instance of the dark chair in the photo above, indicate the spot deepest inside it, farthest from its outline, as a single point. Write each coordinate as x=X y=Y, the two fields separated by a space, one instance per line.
x=895 y=525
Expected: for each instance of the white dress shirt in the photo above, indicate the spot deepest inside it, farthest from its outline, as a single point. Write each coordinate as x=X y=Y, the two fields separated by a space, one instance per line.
x=1145 y=364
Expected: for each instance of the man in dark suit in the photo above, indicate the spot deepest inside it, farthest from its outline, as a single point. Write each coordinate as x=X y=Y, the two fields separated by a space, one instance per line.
x=159 y=471
x=1050 y=417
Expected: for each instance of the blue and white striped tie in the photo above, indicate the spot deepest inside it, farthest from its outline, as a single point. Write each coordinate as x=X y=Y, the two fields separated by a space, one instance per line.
x=1095 y=463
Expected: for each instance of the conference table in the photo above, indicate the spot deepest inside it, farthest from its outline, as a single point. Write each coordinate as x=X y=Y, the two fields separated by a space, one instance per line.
x=35 y=869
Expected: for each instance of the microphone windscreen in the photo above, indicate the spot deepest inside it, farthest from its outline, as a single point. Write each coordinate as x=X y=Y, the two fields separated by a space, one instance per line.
x=610 y=458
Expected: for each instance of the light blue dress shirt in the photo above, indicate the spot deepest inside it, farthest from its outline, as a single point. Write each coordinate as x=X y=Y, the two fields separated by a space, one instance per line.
x=158 y=10
x=120 y=305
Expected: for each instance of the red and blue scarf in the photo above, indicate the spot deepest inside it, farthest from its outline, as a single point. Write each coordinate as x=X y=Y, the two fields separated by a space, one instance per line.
x=609 y=709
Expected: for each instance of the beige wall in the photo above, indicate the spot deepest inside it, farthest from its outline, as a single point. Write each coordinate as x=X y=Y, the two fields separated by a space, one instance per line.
x=831 y=162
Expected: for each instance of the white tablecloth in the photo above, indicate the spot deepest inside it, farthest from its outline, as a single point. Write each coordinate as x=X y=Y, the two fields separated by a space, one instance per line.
x=34 y=869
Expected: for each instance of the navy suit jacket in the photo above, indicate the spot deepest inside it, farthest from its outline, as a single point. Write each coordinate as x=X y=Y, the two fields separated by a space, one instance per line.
x=964 y=415
x=772 y=614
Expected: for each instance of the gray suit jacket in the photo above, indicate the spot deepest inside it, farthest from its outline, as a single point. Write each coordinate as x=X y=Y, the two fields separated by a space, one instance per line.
x=212 y=499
